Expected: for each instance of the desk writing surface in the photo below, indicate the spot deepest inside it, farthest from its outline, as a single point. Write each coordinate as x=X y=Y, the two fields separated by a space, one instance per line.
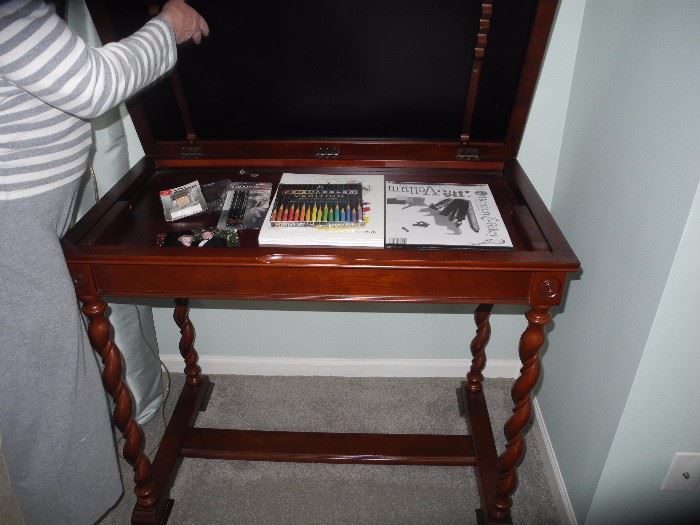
x=139 y=226
x=119 y=243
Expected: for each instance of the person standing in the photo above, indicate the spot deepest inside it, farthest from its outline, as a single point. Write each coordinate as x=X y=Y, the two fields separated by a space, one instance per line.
x=57 y=438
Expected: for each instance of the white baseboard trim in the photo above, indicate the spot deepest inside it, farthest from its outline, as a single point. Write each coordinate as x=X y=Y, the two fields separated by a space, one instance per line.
x=556 y=478
x=317 y=366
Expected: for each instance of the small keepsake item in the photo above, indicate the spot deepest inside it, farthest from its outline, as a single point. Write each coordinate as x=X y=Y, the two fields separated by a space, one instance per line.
x=207 y=238
x=182 y=201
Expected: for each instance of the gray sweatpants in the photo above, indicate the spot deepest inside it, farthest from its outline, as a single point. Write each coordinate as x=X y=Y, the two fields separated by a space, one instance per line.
x=57 y=438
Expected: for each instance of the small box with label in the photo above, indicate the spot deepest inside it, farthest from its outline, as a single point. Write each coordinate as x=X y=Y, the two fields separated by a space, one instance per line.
x=183 y=201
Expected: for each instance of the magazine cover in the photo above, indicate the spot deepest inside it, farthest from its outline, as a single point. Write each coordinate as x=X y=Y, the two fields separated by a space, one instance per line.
x=326 y=210
x=457 y=215
x=245 y=205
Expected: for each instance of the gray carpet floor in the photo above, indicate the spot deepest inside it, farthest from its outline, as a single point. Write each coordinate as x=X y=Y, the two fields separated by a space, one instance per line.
x=233 y=492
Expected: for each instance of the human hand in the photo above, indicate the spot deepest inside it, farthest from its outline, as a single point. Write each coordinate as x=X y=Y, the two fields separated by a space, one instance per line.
x=185 y=22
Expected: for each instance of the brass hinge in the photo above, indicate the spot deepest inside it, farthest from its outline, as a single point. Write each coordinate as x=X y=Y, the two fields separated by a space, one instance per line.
x=327 y=152
x=464 y=153
x=190 y=151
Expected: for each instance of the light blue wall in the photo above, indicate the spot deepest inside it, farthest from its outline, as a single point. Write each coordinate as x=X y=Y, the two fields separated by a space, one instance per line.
x=396 y=331
x=661 y=415
x=627 y=176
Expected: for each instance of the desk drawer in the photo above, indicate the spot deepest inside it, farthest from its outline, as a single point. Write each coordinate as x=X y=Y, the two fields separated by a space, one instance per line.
x=315 y=283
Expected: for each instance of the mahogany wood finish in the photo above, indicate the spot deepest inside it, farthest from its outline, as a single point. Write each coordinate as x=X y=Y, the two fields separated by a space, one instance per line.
x=479 y=424
x=355 y=149
x=193 y=373
x=169 y=457
x=544 y=18
x=530 y=342
x=321 y=447
x=99 y=333
x=479 y=52
x=111 y=252
x=478 y=346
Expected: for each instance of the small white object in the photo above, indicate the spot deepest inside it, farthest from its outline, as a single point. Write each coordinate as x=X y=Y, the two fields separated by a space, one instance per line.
x=684 y=472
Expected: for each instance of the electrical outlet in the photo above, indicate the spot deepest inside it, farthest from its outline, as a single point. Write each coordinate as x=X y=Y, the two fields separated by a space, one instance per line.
x=683 y=473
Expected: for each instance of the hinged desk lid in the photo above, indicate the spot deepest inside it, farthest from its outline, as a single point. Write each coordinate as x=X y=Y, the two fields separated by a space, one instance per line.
x=448 y=78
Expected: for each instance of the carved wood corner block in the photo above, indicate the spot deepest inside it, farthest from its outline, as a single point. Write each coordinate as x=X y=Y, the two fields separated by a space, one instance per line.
x=547 y=289
x=81 y=275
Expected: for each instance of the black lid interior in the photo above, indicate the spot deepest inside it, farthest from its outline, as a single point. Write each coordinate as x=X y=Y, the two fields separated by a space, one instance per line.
x=338 y=69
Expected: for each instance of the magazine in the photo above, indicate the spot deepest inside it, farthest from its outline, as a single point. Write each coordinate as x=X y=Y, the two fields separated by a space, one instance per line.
x=326 y=210
x=456 y=215
x=245 y=205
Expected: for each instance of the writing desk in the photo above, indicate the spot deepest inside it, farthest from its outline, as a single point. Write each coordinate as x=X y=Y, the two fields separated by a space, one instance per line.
x=415 y=91
x=111 y=252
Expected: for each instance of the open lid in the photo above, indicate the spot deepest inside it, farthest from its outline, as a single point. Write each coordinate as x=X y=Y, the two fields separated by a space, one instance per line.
x=436 y=79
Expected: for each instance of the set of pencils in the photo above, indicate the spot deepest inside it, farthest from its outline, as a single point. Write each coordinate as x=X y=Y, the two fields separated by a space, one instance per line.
x=319 y=212
x=239 y=200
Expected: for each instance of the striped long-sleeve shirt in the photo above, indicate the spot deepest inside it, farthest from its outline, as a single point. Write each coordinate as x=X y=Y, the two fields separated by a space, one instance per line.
x=52 y=84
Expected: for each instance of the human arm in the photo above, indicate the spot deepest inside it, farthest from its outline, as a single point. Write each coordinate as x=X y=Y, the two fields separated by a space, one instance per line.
x=42 y=56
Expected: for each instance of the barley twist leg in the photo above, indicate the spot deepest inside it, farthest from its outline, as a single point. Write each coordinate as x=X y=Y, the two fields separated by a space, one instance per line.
x=478 y=347
x=193 y=373
x=99 y=332
x=530 y=342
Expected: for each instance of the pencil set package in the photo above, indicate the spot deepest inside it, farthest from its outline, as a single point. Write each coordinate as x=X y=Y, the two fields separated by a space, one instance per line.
x=314 y=204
